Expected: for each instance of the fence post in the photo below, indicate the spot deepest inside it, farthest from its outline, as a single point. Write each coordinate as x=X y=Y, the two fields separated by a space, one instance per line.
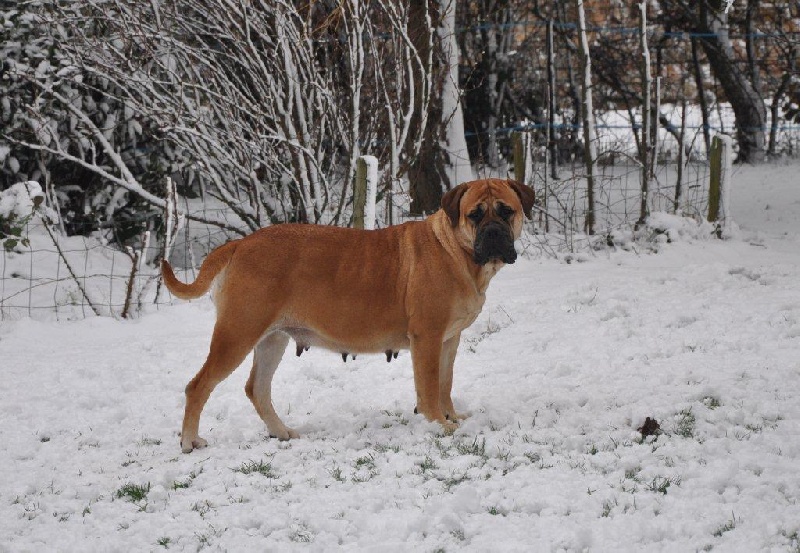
x=720 y=184
x=365 y=192
x=523 y=167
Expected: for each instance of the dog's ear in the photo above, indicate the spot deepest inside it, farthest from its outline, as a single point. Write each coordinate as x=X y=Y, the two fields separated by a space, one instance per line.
x=526 y=196
x=451 y=201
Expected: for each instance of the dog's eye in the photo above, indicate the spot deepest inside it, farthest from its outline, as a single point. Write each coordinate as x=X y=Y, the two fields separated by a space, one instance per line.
x=476 y=214
x=504 y=211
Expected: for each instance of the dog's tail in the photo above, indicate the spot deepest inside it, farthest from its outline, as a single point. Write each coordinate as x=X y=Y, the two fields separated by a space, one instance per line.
x=216 y=261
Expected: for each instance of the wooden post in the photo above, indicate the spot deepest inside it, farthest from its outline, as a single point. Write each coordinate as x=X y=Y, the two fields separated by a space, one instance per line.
x=359 y=194
x=719 y=185
x=520 y=142
x=365 y=192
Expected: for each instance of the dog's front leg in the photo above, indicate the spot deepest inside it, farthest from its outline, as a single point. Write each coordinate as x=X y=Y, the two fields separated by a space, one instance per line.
x=426 y=356
x=449 y=349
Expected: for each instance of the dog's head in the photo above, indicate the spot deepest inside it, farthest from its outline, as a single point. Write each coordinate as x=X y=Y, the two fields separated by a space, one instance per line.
x=486 y=216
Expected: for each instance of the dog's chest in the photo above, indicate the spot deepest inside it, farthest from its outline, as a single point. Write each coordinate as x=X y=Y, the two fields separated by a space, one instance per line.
x=465 y=314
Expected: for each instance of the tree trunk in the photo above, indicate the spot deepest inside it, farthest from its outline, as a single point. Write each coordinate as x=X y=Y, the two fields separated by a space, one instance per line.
x=747 y=104
x=588 y=120
x=701 y=95
x=552 y=145
x=426 y=172
x=489 y=62
x=775 y=112
x=647 y=84
x=454 y=142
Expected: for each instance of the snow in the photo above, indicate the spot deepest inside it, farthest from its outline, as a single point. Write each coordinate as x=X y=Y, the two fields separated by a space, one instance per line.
x=561 y=368
x=19 y=201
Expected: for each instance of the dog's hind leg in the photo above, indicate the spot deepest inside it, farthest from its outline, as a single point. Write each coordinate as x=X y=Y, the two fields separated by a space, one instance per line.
x=267 y=355
x=229 y=347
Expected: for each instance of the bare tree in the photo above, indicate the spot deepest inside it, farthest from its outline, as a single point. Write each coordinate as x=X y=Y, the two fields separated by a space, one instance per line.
x=266 y=105
x=710 y=21
x=589 y=132
x=646 y=142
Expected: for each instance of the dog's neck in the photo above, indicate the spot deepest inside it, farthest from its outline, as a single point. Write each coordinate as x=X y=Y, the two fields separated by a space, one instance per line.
x=480 y=274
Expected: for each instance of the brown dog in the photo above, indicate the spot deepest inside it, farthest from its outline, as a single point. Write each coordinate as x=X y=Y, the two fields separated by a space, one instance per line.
x=412 y=286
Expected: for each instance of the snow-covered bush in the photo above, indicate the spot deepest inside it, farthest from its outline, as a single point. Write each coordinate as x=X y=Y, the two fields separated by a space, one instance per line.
x=673 y=228
x=18 y=205
x=51 y=112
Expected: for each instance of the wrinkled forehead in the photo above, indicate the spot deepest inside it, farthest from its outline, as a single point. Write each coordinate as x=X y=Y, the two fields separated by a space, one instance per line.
x=489 y=191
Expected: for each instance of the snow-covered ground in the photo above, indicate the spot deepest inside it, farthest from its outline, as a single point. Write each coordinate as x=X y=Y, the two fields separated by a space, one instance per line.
x=565 y=363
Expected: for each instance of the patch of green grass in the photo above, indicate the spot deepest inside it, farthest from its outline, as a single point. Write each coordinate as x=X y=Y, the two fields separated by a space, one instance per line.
x=711 y=402
x=301 y=534
x=164 y=542
x=661 y=484
x=149 y=441
x=367 y=461
x=685 y=423
x=608 y=506
x=361 y=477
x=203 y=539
x=475 y=448
x=202 y=508
x=794 y=541
x=440 y=445
x=397 y=415
x=133 y=492
x=336 y=473
x=633 y=473
x=365 y=469
x=727 y=527
x=533 y=457
x=260 y=467
x=285 y=487
x=383 y=448
x=183 y=484
x=428 y=464
x=454 y=480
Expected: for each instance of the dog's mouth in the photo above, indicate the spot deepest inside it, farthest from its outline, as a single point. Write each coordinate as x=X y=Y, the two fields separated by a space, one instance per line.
x=494 y=242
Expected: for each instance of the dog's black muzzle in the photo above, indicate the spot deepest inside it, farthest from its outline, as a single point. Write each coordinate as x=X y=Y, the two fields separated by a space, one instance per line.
x=494 y=240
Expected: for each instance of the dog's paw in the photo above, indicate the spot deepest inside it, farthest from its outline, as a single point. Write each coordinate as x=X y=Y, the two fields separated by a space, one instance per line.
x=283 y=434
x=450 y=415
x=188 y=445
x=457 y=417
x=449 y=427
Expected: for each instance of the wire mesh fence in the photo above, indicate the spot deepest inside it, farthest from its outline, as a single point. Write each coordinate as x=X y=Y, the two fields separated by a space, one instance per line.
x=57 y=277
x=71 y=277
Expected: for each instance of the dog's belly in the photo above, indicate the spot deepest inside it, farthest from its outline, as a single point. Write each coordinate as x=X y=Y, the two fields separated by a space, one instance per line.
x=365 y=342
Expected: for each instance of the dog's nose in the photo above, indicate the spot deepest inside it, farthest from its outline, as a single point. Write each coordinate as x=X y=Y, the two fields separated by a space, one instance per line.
x=493 y=232
x=494 y=241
